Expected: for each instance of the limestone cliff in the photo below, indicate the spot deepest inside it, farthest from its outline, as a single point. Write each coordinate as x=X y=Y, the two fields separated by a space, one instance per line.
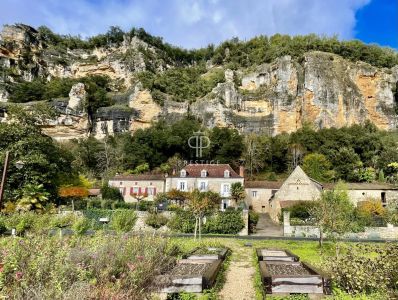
x=323 y=89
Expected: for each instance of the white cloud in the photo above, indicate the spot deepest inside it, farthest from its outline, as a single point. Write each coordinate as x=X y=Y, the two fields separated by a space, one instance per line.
x=189 y=23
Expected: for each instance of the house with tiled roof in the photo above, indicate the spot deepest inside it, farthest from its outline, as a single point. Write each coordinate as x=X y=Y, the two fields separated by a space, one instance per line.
x=273 y=196
x=204 y=177
x=139 y=187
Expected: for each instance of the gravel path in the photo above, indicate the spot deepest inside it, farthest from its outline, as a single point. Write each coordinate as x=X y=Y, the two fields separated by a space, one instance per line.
x=240 y=276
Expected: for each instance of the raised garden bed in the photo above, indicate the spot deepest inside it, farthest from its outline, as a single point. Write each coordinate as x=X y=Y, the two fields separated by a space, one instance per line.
x=276 y=255
x=282 y=273
x=190 y=275
x=208 y=253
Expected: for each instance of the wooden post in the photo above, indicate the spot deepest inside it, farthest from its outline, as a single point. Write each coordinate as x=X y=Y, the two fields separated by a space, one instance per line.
x=3 y=178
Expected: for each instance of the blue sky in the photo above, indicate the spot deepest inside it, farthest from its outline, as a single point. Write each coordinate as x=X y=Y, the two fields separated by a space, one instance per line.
x=196 y=23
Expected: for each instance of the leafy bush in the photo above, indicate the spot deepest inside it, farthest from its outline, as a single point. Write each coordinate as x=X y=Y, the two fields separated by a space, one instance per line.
x=183 y=221
x=371 y=213
x=94 y=203
x=253 y=220
x=111 y=193
x=156 y=220
x=101 y=267
x=366 y=268
x=123 y=220
x=63 y=221
x=123 y=205
x=145 y=205
x=301 y=210
x=81 y=225
x=228 y=222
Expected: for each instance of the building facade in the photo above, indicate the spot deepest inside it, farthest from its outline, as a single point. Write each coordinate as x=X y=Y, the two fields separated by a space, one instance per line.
x=271 y=196
x=204 y=177
x=138 y=187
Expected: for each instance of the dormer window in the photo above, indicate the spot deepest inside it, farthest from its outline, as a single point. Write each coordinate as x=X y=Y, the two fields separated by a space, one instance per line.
x=203 y=173
x=183 y=173
x=227 y=173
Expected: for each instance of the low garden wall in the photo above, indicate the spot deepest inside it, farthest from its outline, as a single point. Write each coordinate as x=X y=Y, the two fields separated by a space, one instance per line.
x=389 y=233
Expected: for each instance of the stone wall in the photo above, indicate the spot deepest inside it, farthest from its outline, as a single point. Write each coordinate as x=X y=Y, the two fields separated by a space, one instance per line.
x=371 y=233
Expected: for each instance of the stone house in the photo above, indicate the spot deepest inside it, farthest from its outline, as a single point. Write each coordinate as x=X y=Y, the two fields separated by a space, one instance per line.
x=142 y=187
x=204 y=177
x=272 y=196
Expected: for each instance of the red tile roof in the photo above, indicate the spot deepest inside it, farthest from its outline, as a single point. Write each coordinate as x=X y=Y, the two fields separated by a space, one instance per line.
x=138 y=177
x=213 y=171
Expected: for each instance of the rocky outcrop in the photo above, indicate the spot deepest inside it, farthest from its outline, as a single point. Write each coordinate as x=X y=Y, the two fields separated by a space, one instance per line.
x=77 y=97
x=322 y=89
x=325 y=90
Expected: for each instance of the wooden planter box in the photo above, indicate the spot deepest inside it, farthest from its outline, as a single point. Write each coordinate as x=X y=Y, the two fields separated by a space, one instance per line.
x=276 y=255
x=307 y=280
x=180 y=281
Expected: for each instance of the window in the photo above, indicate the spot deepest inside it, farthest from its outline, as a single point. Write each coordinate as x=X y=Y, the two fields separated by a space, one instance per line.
x=202 y=186
x=203 y=173
x=225 y=189
x=183 y=173
x=135 y=190
x=182 y=186
x=226 y=174
x=151 y=191
x=254 y=194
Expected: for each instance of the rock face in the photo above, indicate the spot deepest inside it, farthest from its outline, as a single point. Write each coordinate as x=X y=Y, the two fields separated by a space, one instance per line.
x=77 y=97
x=325 y=90
x=322 y=89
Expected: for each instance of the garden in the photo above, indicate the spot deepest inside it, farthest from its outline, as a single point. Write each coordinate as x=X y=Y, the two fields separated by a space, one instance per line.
x=126 y=266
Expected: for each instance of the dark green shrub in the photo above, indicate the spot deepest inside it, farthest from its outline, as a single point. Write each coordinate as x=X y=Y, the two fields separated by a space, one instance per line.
x=3 y=227
x=253 y=220
x=94 y=203
x=111 y=193
x=301 y=210
x=227 y=222
x=106 y=204
x=123 y=205
x=145 y=205
x=123 y=220
x=156 y=220
x=183 y=221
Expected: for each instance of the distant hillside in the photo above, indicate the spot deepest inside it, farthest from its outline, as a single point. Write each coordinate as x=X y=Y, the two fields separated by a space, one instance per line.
x=130 y=79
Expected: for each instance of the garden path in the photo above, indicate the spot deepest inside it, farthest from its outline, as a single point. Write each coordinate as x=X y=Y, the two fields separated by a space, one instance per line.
x=266 y=227
x=239 y=283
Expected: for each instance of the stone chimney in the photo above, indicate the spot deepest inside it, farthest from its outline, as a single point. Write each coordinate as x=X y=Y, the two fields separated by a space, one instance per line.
x=242 y=171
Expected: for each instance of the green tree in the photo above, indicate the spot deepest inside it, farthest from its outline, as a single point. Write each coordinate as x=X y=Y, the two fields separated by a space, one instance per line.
x=333 y=212
x=318 y=167
x=45 y=163
x=238 y=193
x=346 y=162
x=200 y=204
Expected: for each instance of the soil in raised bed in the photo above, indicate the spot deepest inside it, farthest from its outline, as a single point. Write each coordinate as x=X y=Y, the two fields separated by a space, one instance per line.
x=188 y=269
x=287 y=269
